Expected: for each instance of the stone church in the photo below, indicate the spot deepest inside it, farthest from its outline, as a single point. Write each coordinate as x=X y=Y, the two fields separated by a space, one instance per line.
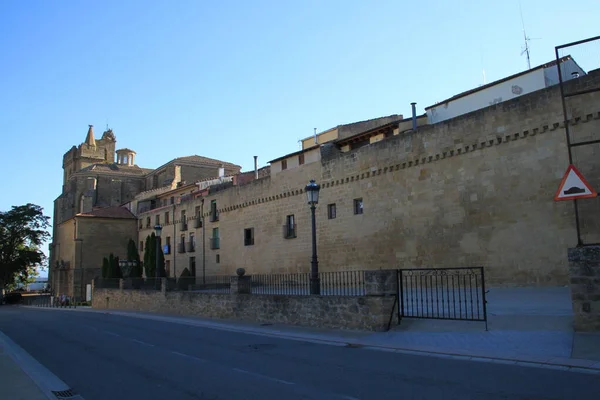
x=89 y=222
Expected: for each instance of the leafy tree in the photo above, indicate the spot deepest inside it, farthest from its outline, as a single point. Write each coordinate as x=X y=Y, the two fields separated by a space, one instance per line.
x=105 y=268
x=22 y=232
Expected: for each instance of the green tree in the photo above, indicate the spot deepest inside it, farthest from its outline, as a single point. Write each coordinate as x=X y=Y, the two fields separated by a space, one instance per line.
x=105 y=268
x=134 y=255
x=22 y=232
x=150 y=256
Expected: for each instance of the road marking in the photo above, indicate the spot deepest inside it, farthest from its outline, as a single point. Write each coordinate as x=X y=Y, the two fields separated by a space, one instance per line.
x=188 y=356
x=348 y=397
x=243 y=371
x=144 y=343
x=112 y=333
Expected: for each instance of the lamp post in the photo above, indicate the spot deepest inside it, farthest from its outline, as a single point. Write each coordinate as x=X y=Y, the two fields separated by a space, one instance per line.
x=312 y=193
x=157 y=273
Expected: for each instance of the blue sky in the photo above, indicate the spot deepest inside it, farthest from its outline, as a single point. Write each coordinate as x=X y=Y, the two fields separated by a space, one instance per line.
x=233 y=79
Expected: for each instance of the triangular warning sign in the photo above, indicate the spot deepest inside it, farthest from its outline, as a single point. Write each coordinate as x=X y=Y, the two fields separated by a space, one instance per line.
x=574 y=186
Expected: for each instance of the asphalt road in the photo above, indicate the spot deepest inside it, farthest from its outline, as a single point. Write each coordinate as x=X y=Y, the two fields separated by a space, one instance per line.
x=105 y=356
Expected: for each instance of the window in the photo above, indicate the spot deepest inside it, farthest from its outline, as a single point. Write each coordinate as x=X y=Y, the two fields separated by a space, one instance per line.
x=358 y=206
x=168 y=241
x=147 y=222
x=183 y=221
x=141 y=224
x=172 y=200
x=141 y=246
x=214 y=240
x=157 y=220
x=166 y=218
x=214 y=215
x=248 y=236
x=167 y=246
x=192 y=242
x=301 y=159
x=331 y=211
x=289 y=229
x=218 y=258
x=182 y=244
x=283 y=164
x=192 y=267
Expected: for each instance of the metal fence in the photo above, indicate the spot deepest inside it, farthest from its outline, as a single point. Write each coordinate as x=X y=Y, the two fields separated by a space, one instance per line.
x=208 y=284
x=51 y=301
x=343 y=283
x=448 y=293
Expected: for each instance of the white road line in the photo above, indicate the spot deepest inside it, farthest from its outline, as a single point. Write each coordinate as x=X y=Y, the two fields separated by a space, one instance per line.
x=188 y=356
x=144 y=343
x=112 y=333
x=243 y=371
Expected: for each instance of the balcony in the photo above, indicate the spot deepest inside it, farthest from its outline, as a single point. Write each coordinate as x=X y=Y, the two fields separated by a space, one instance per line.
x=215 y=243
x=181 y=248
x=289 y=231
x=198 y=223
x=191 y=247
x=214 y=216
x=183 y=226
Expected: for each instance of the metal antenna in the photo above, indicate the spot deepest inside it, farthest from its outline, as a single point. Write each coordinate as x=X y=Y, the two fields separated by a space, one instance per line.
x=526 y=38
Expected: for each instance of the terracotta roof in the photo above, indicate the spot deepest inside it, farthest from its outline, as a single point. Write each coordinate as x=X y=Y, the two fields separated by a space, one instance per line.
x=115 y=169
x=204 y=160
x=125 y=149
x=109 y=212
x=294 y=153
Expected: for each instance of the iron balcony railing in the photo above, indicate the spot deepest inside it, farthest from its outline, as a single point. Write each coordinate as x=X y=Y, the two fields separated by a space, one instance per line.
x=183 y=226
x=181 y=247
x=191 y=246
x=198 y=223
x=289 y=231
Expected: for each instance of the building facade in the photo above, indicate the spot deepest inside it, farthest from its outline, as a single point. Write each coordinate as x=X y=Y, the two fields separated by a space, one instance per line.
x=473 y=190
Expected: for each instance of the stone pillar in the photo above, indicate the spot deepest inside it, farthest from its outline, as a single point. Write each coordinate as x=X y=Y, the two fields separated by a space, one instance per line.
x=584 y=270
x=163 y=286
x=241 y=285
x=383 y=282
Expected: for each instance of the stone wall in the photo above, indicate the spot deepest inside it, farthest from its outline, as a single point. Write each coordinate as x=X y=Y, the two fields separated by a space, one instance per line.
x=474 y=190
x=336 y=312
x=584 y=268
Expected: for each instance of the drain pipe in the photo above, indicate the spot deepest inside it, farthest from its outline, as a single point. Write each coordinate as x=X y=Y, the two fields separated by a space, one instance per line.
x=414 y=116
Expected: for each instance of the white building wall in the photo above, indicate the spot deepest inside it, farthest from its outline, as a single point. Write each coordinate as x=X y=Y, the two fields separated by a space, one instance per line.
x=518 y=86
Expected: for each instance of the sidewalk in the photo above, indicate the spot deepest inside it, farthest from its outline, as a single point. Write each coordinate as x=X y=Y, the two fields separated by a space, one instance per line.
x=15 y=383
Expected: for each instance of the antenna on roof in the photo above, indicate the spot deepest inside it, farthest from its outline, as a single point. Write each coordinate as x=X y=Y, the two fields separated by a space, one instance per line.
x=526 y=38
x=316 y=141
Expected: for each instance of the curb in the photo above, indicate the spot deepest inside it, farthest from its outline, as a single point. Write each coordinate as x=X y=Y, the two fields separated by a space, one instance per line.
x=49 y=384
x=576 y=366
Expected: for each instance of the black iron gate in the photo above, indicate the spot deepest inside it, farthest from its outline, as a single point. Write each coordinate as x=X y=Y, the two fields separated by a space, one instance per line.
x=442 y=293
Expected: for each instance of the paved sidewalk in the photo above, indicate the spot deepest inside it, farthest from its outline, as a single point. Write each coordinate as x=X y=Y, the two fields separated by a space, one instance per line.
x=15 y=384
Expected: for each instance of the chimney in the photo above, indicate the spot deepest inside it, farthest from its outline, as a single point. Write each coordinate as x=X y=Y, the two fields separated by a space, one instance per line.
x=221 y=171
x=255 y=167
x=414 y=116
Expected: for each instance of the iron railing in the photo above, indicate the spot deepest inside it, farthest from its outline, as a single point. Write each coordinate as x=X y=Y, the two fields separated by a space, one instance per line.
x=442 y=293
x=208 y=284
x=341 y=283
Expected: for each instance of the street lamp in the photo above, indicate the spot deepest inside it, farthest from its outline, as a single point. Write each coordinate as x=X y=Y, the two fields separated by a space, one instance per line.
x=157 y=230
x=312 y=193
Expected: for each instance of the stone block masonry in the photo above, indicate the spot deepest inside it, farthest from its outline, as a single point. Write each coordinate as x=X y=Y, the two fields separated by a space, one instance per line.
x=584 y=268
x=371 y=313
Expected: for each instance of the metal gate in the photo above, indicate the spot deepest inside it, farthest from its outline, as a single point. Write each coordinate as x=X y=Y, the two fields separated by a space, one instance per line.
x=442 y=293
